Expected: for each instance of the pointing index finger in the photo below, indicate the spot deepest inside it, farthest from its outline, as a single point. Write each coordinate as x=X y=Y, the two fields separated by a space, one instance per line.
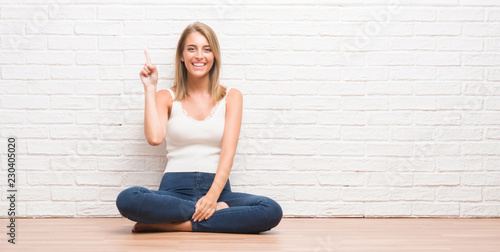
x=148 y=59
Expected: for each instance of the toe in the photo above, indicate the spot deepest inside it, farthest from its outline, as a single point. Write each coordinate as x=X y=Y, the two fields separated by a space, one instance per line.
x=134 y=229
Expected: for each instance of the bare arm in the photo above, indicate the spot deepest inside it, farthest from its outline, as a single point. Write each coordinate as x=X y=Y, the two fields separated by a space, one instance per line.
x=156 y=104
x=206 y=206
x=229 y=141
x=156 y=115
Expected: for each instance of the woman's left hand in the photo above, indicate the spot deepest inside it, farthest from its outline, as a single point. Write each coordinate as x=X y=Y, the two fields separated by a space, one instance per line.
x=205 y=208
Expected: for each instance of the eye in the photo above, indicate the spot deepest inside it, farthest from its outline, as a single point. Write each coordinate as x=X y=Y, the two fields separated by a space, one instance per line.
x=190 y=49
x=208 y=49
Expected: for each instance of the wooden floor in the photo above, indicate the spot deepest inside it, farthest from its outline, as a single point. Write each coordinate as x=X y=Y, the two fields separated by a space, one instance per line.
x=292 y=234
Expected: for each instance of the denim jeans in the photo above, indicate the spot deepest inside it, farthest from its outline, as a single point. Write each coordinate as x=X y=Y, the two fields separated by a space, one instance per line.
x=178 y=194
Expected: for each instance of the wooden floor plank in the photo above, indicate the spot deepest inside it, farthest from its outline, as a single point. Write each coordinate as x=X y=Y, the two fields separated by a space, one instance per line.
x=292 y=234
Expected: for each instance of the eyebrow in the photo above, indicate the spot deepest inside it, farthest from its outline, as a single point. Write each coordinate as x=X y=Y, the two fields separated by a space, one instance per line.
x=195 y=45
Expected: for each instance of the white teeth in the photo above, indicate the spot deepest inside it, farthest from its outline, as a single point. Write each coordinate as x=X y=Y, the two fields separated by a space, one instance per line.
x=199 y=64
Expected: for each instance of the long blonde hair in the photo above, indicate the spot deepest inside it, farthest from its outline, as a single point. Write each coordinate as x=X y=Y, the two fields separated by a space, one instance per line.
x=217 y=91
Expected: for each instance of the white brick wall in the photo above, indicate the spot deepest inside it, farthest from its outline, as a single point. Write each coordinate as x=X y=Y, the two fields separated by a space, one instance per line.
x=351 y=108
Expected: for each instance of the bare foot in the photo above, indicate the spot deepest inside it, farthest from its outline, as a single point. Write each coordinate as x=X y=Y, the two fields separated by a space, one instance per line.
x=162 y=227
x=221 y=205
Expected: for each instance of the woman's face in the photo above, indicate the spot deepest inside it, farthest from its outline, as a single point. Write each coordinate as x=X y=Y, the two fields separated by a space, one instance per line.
x=197 y=55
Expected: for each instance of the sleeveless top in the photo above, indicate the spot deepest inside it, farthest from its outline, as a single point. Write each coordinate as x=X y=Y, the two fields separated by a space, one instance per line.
x=193 y=145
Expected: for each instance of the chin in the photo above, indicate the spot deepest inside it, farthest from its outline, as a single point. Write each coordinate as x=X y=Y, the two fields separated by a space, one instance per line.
x=199 y=75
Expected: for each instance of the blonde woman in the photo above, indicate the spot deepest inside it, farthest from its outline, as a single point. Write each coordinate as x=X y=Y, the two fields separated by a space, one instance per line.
x=200 y=121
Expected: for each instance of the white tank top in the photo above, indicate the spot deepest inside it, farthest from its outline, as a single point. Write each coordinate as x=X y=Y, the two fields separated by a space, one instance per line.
x=193 y=145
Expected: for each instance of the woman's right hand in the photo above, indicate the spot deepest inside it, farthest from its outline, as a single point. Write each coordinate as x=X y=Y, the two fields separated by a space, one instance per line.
x=149 y=73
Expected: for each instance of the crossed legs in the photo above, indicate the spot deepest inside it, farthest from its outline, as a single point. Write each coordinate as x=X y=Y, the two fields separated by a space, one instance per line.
x=169 y=211
x=171 y=226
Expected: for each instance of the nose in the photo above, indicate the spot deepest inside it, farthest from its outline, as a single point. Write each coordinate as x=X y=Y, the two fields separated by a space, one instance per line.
x=199 y=54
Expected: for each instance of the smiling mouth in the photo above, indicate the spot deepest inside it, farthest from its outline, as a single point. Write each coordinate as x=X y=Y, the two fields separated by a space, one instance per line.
x=198 y=64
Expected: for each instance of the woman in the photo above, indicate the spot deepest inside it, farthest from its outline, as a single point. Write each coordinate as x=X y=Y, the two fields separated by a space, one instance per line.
x=200 y=120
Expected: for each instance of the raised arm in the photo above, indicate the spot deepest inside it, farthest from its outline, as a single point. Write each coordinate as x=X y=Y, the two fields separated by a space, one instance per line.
x=156 y=104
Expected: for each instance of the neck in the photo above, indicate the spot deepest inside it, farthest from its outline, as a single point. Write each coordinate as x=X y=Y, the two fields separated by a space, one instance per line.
x=198 y=85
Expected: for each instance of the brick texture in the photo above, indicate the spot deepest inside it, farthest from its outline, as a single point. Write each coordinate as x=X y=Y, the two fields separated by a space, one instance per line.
x=351 y=108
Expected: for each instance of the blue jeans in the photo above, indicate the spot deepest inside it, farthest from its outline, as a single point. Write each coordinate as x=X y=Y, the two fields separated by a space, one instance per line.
x=178 y=194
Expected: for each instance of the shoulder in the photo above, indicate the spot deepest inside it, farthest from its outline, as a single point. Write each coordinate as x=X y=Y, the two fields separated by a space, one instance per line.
x=234 y=96
x=234 y=102
x=163 y=95
x=164 y=98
